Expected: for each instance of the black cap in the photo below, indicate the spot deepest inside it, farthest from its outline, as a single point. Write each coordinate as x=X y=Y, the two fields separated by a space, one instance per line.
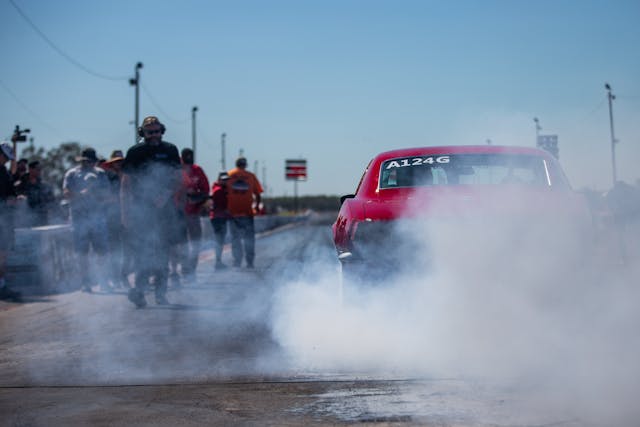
x=88 y=154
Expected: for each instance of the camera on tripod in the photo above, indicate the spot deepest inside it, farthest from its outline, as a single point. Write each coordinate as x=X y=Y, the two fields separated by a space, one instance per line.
x=20 y=135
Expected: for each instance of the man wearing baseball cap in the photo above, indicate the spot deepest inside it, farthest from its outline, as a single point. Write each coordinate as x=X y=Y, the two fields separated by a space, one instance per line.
x=86 y=187
x=242 y=202
x=7 y=198
x=219 y=215
x=120 y=256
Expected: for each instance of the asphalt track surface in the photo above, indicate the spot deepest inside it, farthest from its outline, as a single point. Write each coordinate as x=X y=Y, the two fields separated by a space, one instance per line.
x=210 y=358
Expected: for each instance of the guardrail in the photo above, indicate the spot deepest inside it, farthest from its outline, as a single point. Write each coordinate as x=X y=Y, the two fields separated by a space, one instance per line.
x=43 y=260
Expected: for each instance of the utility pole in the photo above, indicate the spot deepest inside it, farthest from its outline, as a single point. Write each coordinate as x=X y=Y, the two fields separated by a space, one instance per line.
x=193 y=131
x=538 y=129
x=223 y=138
x=611 y=97
x=136 y=82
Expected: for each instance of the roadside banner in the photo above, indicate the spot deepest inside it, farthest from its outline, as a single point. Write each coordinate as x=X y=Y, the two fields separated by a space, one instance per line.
x=296 y=169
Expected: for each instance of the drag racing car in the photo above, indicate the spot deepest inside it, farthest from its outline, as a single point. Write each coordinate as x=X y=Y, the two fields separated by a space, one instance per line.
x=485 y=185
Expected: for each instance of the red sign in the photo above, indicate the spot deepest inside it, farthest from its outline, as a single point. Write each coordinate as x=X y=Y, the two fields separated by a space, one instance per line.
x=295 y=169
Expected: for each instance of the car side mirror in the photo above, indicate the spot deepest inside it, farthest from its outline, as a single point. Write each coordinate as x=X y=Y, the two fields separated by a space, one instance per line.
x=345 y=197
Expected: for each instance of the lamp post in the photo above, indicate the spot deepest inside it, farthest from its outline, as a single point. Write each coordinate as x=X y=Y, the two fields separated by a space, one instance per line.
x=223 y=137
x=264 y=177
x=136 y=82
x=611 y=97
x=193 y=131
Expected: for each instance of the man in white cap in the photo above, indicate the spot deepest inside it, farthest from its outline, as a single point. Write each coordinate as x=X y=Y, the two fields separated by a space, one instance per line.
x=7 y=198
x=86 y=187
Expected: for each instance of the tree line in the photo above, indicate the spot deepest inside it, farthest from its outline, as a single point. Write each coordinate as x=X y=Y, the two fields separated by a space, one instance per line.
x=57 y=160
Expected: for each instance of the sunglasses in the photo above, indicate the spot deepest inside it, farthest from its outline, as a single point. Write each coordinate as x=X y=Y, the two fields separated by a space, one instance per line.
x=153 y=132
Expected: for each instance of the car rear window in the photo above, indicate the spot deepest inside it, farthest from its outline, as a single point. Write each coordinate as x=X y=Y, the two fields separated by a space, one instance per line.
x=466 y=169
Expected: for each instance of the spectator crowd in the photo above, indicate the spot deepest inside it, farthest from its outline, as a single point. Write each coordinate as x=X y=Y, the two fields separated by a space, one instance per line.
x=134 y=215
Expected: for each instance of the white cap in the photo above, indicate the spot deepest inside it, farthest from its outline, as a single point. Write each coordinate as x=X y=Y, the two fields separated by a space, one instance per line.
x=7 y=150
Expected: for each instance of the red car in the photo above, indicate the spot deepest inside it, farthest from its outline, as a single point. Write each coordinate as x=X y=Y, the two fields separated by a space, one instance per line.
x=475 y=183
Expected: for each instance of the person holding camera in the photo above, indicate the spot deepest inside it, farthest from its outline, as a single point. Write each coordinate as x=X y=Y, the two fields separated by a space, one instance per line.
x=7 y=198
x=151 y=178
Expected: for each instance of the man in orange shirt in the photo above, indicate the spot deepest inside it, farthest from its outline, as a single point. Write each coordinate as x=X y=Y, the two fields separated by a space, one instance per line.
x=243 y=190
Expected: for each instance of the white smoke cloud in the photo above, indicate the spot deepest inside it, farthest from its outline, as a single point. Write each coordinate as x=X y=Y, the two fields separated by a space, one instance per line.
x=520 y=303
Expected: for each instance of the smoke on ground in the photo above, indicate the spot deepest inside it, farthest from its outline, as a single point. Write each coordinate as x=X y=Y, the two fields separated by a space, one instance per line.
x=528 y=304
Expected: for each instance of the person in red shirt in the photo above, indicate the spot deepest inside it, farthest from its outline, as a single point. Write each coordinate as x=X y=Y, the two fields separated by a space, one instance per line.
x=196 y=188
x=219 y=215
x=244 y=194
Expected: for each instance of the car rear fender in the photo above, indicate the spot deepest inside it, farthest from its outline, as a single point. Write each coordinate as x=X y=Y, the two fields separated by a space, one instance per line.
x=351 y=212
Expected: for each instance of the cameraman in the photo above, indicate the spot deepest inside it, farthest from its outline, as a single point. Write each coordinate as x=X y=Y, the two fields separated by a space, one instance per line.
x=7 y=198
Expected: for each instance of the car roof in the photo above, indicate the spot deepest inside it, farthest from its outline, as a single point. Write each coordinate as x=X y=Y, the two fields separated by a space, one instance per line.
x=462 y=149
x=369 y=182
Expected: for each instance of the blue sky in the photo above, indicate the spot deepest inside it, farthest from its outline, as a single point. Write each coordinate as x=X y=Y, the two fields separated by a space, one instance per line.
x=334 y=82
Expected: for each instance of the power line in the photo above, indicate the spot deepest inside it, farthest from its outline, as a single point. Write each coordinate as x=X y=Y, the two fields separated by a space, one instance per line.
x=60 y=51
x=159 y=108
x=27 y=109
x=594 y=110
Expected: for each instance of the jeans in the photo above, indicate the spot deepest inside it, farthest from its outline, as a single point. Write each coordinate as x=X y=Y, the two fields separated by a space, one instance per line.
x=220 y=232
x=242 y=240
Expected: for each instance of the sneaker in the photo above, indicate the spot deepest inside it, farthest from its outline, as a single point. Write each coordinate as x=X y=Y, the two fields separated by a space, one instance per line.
x=161 y=300
x=249 y=264
x=137 y=298
x=8 y=294
x=87 y=289
x=220 y=265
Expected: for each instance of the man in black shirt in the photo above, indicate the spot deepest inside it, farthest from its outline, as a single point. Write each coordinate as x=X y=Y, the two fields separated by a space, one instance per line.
x=151 y=178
